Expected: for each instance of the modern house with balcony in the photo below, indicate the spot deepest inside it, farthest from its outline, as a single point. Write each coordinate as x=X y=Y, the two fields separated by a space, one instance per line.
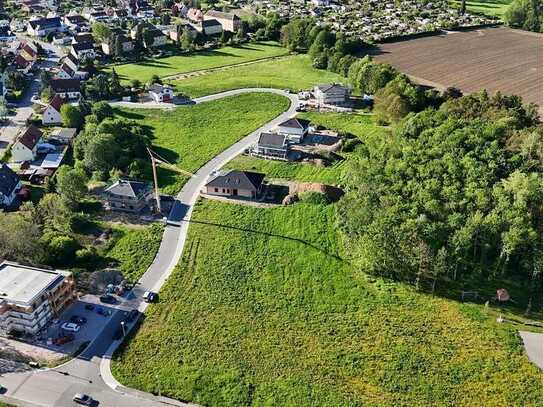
x=127 y=196
x=30 y=297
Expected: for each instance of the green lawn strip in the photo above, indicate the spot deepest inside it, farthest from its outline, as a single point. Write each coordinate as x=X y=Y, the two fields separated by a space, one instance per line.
x=489 y=7
x=200 y=60
x=135 y=249
x=189 y=136
x=293 y=73
x=261 y=311
x=360 y=125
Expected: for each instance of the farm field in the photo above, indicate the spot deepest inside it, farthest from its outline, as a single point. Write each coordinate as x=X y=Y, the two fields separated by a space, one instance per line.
x=294 y=73
x=496 y=59
x=189 y=136
x=201 y=60
x=360 y=125
x=265 y=309
x=489 y=7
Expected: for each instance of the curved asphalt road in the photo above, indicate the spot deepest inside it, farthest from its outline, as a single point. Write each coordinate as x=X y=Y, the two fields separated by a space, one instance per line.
x=89 y=373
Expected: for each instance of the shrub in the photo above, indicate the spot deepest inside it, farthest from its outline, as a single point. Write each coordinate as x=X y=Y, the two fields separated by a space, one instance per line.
x=350 y=144
x=314 y=197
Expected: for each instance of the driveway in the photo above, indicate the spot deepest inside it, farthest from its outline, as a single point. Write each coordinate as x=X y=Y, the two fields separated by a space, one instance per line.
x=90 y=372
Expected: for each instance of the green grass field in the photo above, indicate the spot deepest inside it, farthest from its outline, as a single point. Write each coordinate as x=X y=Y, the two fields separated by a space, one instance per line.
x=265 y=310
x=201 y=60
x=489 y=7
x=360 y=125
x=135 y=249
x=189 y=136
x=294 y=73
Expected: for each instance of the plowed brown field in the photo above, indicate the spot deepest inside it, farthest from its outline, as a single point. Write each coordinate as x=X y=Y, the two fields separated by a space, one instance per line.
x=496 y=59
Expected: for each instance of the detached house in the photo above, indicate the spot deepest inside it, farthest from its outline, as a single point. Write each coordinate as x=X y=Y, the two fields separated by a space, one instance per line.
x=229 y=21
x=294 y=129
x=127 y=196
x=209 y=27
x=272 y=146
x=161 y=93
x=43 y=26
x=234 y=183
x=67 y=88
x=74 y=22
x=10 y=184
x=51 y=114
x=25 y=147
x=158 y=37
x=127 y=45
x=331 y=94
x=83 y=51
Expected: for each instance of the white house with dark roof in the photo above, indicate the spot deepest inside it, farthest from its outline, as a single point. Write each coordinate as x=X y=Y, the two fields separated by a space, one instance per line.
x=229 y=21
x=294 y=129
x=331 y=94
x=67 y=88
x=10 y=184
x=127 y=196
x=83 y=50
x=161 y=93
x=43 y=26
x=235 y=183
x=51 y=114
x=208 y=27
x=25 y=147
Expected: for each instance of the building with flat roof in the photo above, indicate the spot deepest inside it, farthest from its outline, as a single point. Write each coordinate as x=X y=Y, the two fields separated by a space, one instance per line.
x=30 y=297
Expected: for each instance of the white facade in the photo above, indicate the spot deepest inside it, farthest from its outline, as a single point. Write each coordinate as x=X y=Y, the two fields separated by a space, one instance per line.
x=21 y=153
x=51 y=116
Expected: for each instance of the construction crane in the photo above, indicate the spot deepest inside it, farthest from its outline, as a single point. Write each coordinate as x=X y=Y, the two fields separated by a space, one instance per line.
x=158 y=160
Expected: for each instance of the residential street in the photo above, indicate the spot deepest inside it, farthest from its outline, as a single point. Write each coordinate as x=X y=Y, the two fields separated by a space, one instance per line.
x=56 y=387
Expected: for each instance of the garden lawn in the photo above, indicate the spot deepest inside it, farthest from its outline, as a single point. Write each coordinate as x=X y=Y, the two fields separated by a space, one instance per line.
x=294 y=73
x=189 y=136
x=135 y=249
x=360 y=125
x=490 y=7
x=263 y=311
x=201 y=60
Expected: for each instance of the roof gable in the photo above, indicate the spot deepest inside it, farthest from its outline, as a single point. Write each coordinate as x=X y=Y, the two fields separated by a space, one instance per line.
x=8 y=180
x=30 y=137
x=238 y=180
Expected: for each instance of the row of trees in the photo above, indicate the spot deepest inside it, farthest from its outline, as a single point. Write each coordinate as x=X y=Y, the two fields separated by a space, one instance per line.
x=457 y=192
x=525 y=14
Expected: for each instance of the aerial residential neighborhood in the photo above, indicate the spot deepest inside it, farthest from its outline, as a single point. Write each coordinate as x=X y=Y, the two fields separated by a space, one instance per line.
x=252 y=202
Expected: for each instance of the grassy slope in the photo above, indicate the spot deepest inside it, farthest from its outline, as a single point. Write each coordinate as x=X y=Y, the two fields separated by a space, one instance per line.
x=136 y=249
x=198 y=61
x=191 y=135
x=490 y=7
x=272 y=317
x=293 y=73
x=360 y=125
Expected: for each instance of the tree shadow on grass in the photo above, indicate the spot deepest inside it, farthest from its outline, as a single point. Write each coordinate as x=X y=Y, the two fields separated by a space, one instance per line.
x=273 y=235
x=128 y=114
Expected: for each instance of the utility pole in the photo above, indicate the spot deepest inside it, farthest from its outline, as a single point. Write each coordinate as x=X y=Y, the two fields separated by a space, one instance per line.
x=155 y=178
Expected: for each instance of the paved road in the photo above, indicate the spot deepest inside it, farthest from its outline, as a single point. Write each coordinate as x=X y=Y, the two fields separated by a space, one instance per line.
x=89 y=373
x=533 y=343
x=9 y=131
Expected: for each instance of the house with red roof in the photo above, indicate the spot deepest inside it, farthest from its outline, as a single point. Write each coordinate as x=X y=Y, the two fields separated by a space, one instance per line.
x=51 y=114
x=25 y=147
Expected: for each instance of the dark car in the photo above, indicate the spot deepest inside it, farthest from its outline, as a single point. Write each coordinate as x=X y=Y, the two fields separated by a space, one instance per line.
x=118 y=334
x=84 y=399
x=76 y=319
x=108 y=299
x=104 y=312
x=150 y=296
x=61 y=340
x=89 y=307
x=132 y=315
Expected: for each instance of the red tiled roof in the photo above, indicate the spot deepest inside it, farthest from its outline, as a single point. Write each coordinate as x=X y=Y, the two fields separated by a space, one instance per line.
x=30 y=137
x=57 y=102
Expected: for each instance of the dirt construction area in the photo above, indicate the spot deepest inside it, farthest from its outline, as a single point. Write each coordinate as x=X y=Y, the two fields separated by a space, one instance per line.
x=496 y=59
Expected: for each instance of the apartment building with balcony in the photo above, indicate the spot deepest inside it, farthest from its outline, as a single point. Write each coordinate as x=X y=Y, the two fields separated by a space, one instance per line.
x=30 y=297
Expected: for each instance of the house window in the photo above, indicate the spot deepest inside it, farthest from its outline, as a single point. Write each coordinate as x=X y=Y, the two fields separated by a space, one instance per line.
x=216 y=189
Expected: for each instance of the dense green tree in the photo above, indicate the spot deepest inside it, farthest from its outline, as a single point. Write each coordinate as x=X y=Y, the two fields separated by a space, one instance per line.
x=71 y=184
x=71 y=115
x=19 y=238
x=101 y=32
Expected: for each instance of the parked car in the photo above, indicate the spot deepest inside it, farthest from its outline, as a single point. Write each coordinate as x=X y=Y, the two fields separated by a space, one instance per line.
x=76 y=319
x=89 y=307
x=70 y=327
x=149 y=296
x=61 y=340
x=108 y=299
x=132 y=315
x=84 y=399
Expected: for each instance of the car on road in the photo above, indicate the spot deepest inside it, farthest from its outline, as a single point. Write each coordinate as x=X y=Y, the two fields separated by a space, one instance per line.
x=70 y=327
x=131 y=316
x=61 y=340
x=108 y=299
x=83 y=399
x=102 y=311
x=149 y=296
x=76 y=319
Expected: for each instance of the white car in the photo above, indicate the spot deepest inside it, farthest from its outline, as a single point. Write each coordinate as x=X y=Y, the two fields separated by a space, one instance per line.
x=70 y=327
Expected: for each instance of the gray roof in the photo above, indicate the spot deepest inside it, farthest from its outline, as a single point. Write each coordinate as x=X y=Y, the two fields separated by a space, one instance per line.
x=8 y=180
x=210 y=23
x=237 y=179
x=273 y=140
x=222 y=14
x=331 y=87
x=127 y=188
x=66 y=133
x=295 y=123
